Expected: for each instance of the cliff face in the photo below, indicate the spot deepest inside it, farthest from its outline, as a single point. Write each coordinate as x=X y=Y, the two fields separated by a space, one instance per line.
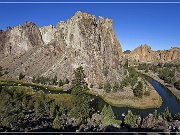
x=144 y=54
x=49 y=51
x=19 y=39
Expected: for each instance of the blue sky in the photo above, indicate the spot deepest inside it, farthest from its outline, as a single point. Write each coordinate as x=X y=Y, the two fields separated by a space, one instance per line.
x=157 y=25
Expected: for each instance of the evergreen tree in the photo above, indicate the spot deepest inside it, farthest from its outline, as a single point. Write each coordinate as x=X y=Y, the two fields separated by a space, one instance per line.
x=39 y=108
x=138 y=90
x=107 y=115
x=166 y=114
x=52 y=110
x=81 y=102
x=57 y=123
x=130 y=119
x=79 y=85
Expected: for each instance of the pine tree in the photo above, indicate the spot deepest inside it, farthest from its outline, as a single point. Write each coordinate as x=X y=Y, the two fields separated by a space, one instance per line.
x=52 y=110
x=166 y=114
x=130 y=119
x=57 y=123
x=79 y=85
x=39 y=108
x=107 y=115
x=138 y=91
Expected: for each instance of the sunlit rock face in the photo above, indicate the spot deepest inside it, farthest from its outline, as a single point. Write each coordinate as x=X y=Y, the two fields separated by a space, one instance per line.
x=80 y=41
x=20 y=39
x=144 y=54
x=47 y=33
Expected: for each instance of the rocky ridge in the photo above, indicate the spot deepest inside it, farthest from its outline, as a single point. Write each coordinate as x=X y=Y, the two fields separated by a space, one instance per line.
x=48 y=51
x=144 y=54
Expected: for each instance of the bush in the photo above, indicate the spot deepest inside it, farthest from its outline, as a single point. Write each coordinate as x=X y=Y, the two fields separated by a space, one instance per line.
x=167 y=75
x=57 y=123
x=177 y=85
x=130 y=119
x=116 y=87
x=138 y=90
x=60 y=83
x=147 y=93
x=107 y=87
x=177 y=116
x=166 y=114
x=21 y=76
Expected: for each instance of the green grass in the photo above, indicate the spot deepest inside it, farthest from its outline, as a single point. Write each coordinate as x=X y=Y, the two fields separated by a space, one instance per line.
x=28 y=83
x=63 y=100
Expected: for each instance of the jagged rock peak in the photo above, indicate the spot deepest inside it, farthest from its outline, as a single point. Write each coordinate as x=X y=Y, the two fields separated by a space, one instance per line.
x=29 y=24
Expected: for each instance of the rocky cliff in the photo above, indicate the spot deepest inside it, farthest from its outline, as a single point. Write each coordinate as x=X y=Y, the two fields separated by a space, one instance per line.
x=144 y=54
x=80 y=41
x=19 y=39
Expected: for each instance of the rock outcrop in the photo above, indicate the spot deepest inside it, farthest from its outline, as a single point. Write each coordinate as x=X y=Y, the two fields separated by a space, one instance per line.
x=144 y=54
x=49 y=51
x=47 y=33
x=19 y=39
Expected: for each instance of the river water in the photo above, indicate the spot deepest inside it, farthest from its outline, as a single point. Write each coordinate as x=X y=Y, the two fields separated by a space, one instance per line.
x=169 y=100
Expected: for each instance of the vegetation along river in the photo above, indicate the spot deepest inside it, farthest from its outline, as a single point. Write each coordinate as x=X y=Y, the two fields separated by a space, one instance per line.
x=169 y=100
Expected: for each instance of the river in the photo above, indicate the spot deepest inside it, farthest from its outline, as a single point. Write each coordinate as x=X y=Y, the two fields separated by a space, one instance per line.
x=169 y=100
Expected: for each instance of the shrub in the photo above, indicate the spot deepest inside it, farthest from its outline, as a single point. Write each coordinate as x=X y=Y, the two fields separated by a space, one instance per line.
x=21 y=76
x=57 y=123
x=166 y=114
x=147 y=93
x=116 y=87
x=138 y=90
x=130 y=119
x=107 y=87
x=177 y=116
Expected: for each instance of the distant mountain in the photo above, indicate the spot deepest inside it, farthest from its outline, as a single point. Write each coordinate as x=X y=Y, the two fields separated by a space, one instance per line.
x=49 y=51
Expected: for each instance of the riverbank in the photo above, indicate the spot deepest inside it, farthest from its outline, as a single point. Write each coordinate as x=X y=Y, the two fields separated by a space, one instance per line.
x=125 y=99
x=21 y=82
x=170 y=88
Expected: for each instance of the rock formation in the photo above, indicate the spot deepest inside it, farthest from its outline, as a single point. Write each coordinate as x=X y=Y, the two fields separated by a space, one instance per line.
x=144 y=54
x=19 y=39
x=49 y=51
